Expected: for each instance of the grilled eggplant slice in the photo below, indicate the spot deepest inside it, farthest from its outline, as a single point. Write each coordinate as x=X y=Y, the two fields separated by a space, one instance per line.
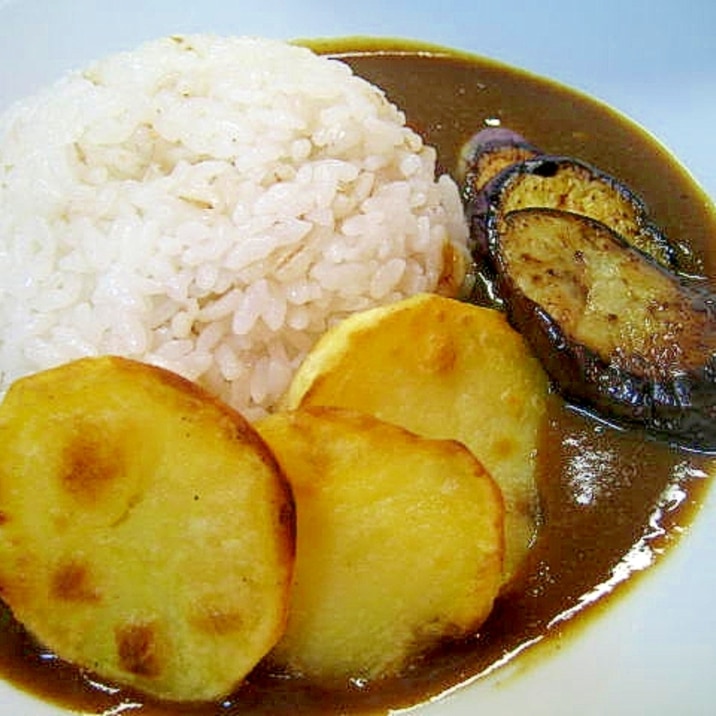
x=570 y=185
x=489 y=152
x=615 y=330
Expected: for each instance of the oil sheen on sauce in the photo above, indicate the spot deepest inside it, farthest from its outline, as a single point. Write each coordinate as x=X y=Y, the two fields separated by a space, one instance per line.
x=613 y=500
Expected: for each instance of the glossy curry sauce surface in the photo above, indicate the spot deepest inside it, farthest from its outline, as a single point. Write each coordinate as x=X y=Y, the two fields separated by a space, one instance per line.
x=612 y=500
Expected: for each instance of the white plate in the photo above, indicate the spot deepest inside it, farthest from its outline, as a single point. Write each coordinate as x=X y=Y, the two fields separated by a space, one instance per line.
x=653 y=651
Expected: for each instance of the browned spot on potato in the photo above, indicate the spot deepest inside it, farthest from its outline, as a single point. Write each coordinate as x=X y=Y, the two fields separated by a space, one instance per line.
x=3 y=518
x=137 y=649
x=440 y=355
x=72 y=582
x=514 y=403
x=217 y=621
x=61 y=522
x=91 y=464
x=503 y=448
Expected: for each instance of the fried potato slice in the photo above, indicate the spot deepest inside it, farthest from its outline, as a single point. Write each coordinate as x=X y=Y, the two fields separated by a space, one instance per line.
x=146 y=532
x=443 y=369
x=400 y=542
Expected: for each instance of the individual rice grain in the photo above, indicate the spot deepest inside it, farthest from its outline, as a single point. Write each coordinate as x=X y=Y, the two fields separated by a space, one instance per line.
x=211 y=205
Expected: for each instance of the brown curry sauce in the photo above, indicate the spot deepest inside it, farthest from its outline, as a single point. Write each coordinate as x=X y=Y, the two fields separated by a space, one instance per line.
x=612 y=499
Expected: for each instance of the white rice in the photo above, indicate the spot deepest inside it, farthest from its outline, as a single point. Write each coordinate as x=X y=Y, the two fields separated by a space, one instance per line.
x=210 y=205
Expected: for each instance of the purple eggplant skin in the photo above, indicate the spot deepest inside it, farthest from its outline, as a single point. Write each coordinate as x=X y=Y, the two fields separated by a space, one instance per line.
x=573 y=185
x=488 y=151
x=648 y=360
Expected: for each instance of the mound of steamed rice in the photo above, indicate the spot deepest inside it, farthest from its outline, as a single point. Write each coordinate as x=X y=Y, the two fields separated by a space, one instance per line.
x=211 y=205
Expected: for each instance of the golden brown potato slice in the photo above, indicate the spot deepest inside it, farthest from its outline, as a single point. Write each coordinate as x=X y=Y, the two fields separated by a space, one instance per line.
x=146 y=532
x=442 y=369
x=400 y=542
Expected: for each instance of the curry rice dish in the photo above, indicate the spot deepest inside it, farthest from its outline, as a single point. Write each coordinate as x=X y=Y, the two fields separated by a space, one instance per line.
x=446 y=97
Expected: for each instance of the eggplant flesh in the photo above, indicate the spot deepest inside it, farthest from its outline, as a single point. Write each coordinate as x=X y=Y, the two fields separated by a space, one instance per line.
x=569 y=184
x=615 y=330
